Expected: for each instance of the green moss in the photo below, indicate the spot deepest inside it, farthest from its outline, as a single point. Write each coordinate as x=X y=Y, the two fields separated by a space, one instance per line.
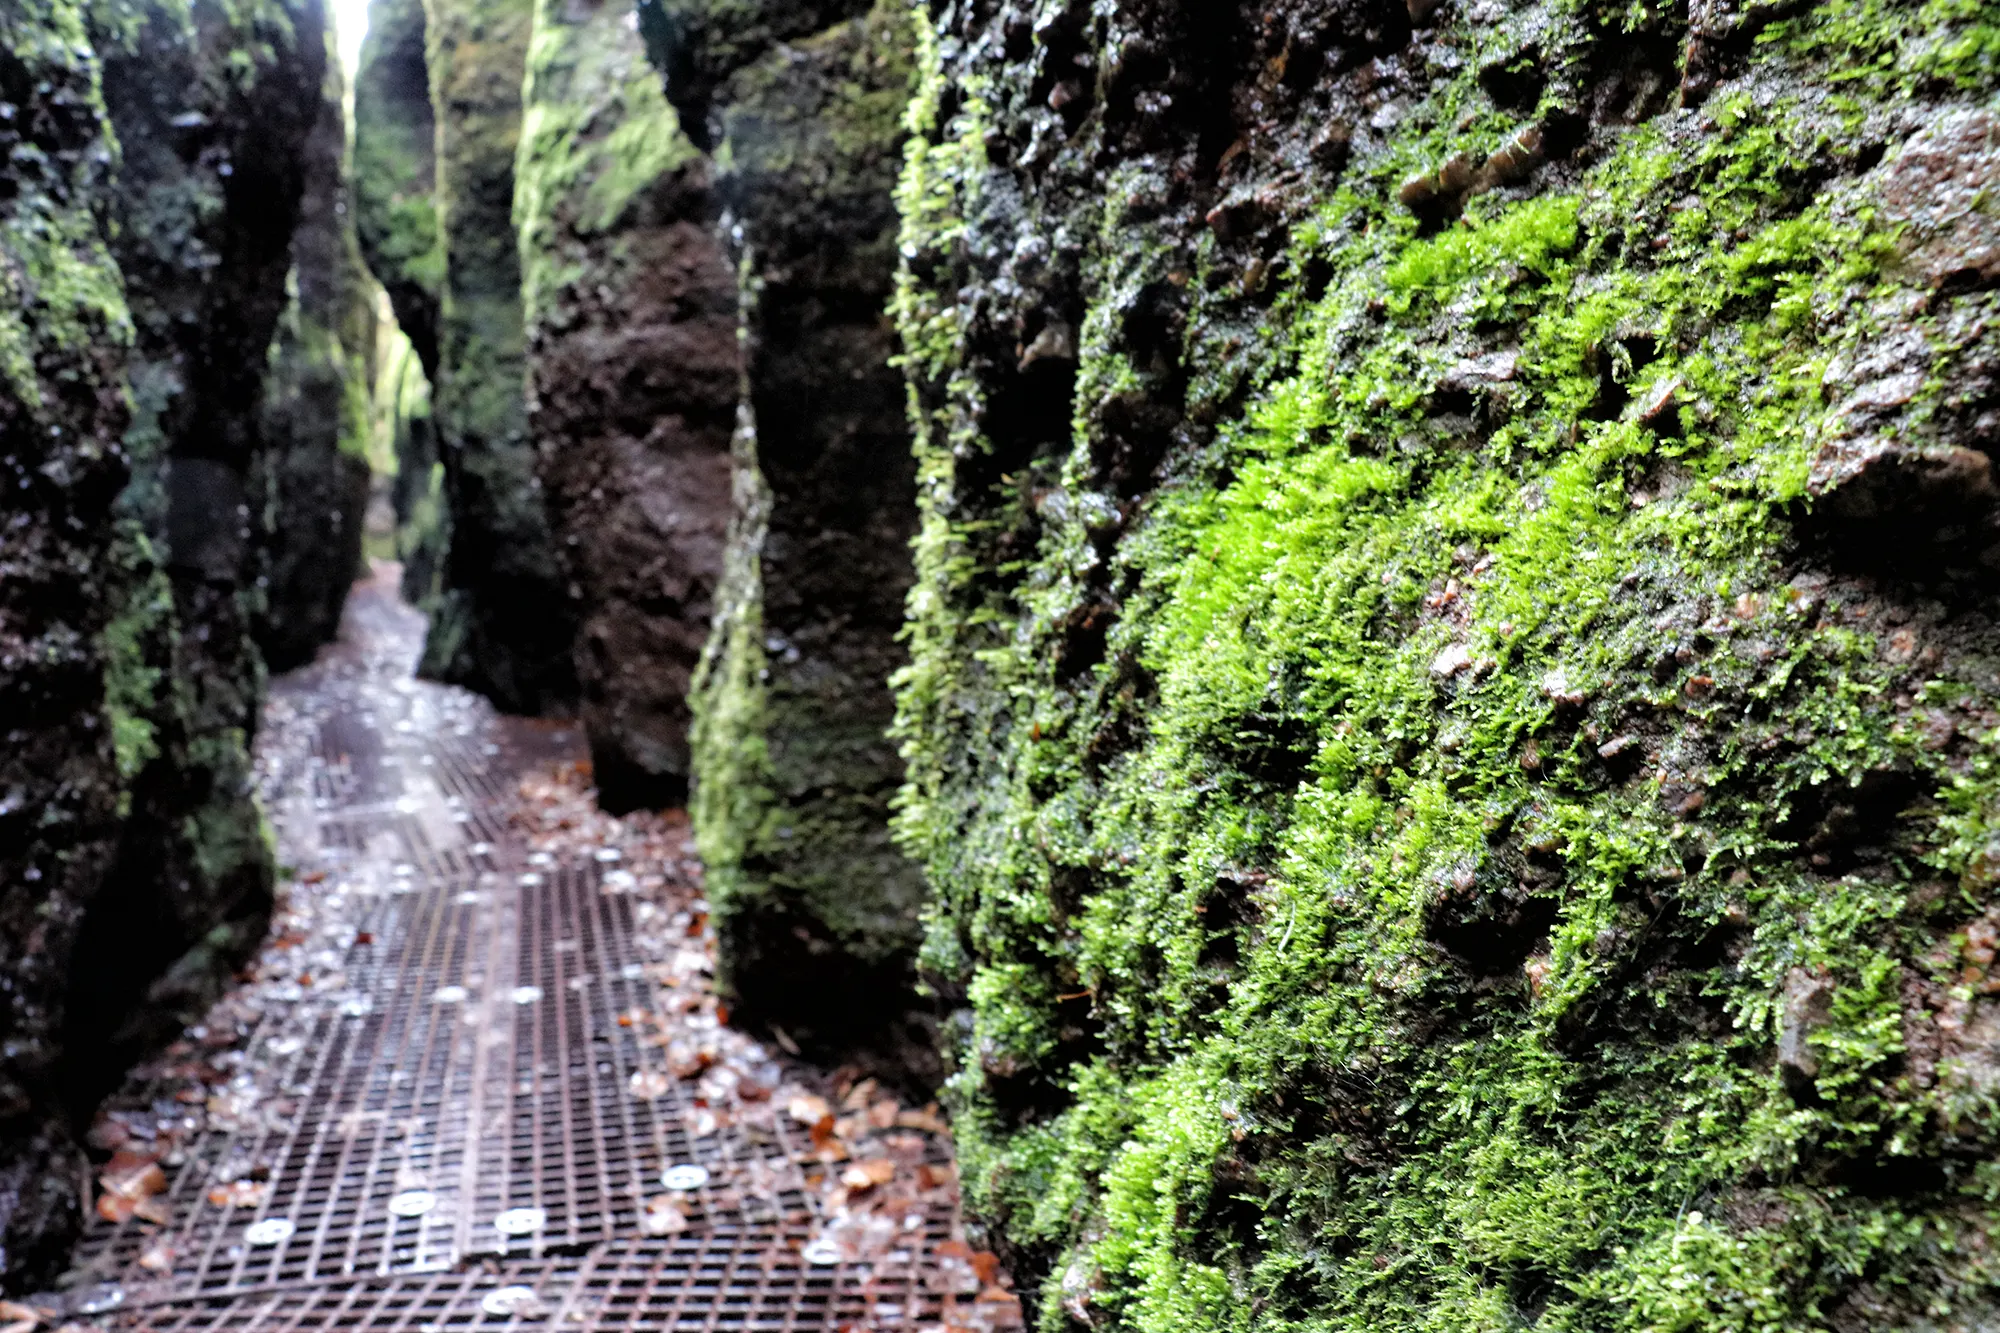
x=1369 y=985
x=597 y=134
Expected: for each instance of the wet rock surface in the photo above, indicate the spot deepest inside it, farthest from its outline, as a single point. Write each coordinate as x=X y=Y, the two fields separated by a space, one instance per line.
x=63 y=411
x=479 y=1070
x=503 y=622
x=211 y=173
x=156 y=159
x=794 y=764
x=633 y=373
x=1408 y=494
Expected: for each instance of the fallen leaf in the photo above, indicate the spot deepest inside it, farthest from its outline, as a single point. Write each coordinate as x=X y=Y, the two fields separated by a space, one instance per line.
x=867 y=1175
x=662 y=1218
x=650 y=1083
x=809 y=1110
x=987 y=1265
x=152 y=1210
x=157 y=1257
x=240 y=1194
x=882 y=1114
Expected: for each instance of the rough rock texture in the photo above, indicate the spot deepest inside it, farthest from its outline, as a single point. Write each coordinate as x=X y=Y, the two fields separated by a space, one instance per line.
x=63 y=335
x=395 y=218
x=633 y=375
x=313 y=475
x=154 y=175
x=817 y=910
x=395 y=171
x=1454 y=799
x=504 y=623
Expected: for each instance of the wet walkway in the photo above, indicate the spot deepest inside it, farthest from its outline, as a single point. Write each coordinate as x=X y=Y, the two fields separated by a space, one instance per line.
x=477 y=1079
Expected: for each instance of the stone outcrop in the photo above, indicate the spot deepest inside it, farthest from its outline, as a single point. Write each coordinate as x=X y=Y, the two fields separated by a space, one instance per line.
x=394 y=200
x=1452 y=795
x=312 y=483
x=64 y=331
x=156 y=158
x=503 y=623
x=395 y=171
x=633 y=382
x=207 y=197
x=816 y=910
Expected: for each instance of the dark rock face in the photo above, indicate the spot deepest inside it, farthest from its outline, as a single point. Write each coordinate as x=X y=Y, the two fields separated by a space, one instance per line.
x=817 y=910
x=63 y=411
x=395 y=171
x=394 y=199
x=312 y=479
x=503 y=623
x=634 y=375
x=1452 y=665
x=146 y=244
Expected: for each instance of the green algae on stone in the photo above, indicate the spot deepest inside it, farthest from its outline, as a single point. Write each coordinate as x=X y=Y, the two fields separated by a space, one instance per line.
x=1447 y=809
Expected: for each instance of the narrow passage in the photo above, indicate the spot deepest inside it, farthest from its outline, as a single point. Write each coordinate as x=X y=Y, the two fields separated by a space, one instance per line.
x=478 y=1077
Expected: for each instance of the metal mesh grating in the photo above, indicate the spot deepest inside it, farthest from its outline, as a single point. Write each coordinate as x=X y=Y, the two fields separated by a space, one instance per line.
x=448 y=1014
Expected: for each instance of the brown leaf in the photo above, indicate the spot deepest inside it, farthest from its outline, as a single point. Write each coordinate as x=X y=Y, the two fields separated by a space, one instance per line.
x=987 y=1265
x=882 y=1114
x=114 y=1208
x=152 y=1210
x=157 y=1257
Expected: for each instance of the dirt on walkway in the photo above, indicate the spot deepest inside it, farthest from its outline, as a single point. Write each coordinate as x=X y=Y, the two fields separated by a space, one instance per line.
x=478 y=1078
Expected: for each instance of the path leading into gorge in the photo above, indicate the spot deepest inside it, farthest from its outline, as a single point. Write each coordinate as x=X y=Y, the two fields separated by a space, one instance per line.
x=477 y=1079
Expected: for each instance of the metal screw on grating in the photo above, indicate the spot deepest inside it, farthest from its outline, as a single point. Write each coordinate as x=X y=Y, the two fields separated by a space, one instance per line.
x=448 y=995
x=413 y=1203
x=287 y=1046
x=525 y=994
x=520 y=1302
x=608 y=854
x=684 y=1176
x=270 y=1231
x=530 y=880
x=822 y=1253
x=520 y=1221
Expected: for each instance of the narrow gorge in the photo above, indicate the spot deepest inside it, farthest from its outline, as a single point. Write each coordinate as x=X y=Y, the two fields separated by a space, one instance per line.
x=1360 y=633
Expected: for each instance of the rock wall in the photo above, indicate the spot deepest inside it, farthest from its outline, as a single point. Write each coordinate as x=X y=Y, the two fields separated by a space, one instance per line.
x=1453 y=689
x=313 y=475
x=817 y=911
x=155 y=155
x=64 y=331
x=394 y=201
x=212 y=107
x=633 y=379
x=504 y=622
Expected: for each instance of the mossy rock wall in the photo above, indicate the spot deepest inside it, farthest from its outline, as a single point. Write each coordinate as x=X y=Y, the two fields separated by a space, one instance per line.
x=395 y=171
x=213 y=106
x=155 y=156
x=64 y=333
x=313 y=479
x=504 y=623
x=394 y=201
x=633 y=375
x=817 y=910
x=1453 y=698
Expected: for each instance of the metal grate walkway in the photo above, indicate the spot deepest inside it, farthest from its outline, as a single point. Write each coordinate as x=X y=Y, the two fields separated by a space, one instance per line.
x=477 y=1081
